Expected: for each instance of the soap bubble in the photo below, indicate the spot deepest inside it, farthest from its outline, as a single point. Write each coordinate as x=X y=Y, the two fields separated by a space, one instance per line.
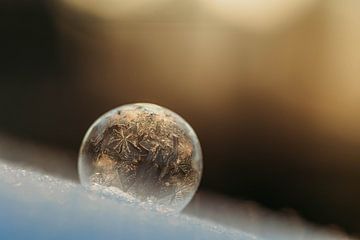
x=143 y=152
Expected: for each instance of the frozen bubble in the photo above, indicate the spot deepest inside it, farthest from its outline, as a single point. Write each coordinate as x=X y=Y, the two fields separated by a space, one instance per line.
x=145 y=152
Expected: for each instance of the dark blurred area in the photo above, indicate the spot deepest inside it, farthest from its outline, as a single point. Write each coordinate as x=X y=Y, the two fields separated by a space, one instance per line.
x=272 y=89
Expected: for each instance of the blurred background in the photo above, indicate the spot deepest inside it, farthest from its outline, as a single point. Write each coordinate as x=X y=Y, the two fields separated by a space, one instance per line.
x=272 y=89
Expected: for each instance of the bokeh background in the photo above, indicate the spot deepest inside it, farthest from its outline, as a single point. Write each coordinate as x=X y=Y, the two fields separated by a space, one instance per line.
x=272 y=89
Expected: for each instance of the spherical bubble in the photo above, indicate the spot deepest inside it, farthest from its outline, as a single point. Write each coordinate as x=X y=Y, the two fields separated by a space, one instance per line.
x=143 y=152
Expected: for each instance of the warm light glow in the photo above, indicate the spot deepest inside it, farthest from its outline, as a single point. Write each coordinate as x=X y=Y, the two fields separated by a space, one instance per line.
x=258 y=14
x=114 y=8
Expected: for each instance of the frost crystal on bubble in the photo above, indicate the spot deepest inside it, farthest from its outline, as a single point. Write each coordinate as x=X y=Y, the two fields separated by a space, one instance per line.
x=146 y=151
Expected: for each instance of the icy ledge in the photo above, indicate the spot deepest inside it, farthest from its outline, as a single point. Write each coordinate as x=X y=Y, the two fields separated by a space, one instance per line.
x=38 y=206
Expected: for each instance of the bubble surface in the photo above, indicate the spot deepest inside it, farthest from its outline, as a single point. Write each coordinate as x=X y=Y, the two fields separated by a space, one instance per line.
x=143 y=152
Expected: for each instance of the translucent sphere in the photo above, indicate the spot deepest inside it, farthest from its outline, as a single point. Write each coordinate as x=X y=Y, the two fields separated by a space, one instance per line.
x=143 y=152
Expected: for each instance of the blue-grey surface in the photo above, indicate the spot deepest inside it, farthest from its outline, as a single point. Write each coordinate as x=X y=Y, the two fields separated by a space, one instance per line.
x=36 y=206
